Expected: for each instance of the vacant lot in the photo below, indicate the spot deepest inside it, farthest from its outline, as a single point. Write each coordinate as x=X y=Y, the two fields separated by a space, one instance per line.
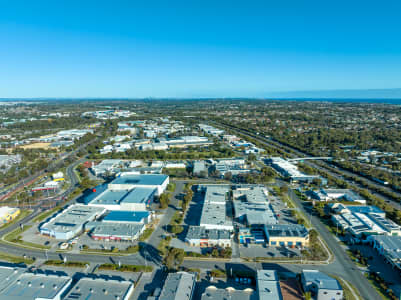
x=36 y=146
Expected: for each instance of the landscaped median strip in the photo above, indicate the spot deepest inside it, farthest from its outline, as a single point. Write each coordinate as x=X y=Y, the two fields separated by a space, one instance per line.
x=61 y=263
x=125 y=268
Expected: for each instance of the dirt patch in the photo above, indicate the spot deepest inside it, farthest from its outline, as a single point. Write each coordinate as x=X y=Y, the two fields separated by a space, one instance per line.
x=36 y=146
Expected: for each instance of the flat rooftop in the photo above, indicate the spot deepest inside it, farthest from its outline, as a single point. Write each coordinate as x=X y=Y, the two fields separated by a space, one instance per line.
x=178 y=286
x=116 y=197
x=322 y=280
x=140 y=179
x=100 y=289
x=198 y=232
x=34 y=286
x=121 y=230
x=214 y=206
x=126 y=216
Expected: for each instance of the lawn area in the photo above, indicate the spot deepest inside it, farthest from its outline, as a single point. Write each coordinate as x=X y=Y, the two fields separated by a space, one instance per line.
x=129 y=250
x=15 y=237
x=15 y=259
x=146 y=234
x=24 y=213
x=44 y=215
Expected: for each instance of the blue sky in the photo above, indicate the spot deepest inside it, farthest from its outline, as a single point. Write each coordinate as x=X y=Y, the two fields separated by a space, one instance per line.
x=196 y=48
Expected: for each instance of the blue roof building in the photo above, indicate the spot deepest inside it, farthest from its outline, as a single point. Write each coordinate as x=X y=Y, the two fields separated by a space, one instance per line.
x=128 y=217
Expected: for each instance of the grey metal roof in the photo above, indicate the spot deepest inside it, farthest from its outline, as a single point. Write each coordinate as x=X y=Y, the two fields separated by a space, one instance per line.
x=390 y=244
x=178 y=286
x=122 y=230
x=99 y=289
x=214 y=206
x=8 y=275
x=34 y=286
x=72 y=218
x=322 y=280
x=197 y=232
x=115 y=197
x=268 y=285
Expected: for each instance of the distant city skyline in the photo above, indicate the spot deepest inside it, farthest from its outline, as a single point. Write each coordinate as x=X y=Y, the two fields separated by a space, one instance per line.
x=189 y=49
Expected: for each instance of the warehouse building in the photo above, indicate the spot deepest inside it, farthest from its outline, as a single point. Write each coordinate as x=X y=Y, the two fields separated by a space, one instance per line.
x=340 y=208
x=252 y=207
x=268 y=285
x=360 y=224
x=114 y=231
x=321 y=286
x=17 y=284
x=213 y=215
x=199 y=167
x=337 y=195
x=135 y=199
x=202 y=237
x=100 y=289
x=389 y=247
x=178 y=286
x=287 y=235
x=8 y=214
x=126 y=181
x=106 y=166
x=289 y=170
x=70 y=222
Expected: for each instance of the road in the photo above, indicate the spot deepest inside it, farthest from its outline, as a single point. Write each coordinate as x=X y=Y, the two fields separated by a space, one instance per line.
x=32 y=178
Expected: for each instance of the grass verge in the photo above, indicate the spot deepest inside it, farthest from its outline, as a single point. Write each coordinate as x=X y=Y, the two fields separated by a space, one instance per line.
x=15 y=259
x=15 y=237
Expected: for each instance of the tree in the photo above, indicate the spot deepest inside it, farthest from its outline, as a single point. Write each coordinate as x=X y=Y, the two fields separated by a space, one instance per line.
x=164 y=200
x=174 y=258
x=228 y=176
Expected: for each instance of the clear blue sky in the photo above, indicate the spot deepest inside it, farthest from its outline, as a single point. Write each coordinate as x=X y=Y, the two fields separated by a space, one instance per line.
x=196 y=48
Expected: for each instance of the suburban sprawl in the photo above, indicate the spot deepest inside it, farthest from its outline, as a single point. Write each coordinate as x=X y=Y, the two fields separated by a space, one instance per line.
x=199 y=199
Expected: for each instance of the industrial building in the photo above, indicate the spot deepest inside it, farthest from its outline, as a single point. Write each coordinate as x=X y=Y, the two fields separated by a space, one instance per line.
x=211 y=130
x=287 y=235
x=70 y=222
x=134 y=199
x=321 y=286
x=199 y=167
x=114 y=231
x=389 y=247
x=106 y=166
x=127 y=181
x=188 y=141
x=202 y=237
x=8 y=160
x=337 y=195
x=178 y=286
x=340 y=208
x=213 y=215
x=289 y=170
x=100 y=289
x=8 y=214
x=252 y=207
x=17 y=284
x=268 y=285
x=362 y=224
